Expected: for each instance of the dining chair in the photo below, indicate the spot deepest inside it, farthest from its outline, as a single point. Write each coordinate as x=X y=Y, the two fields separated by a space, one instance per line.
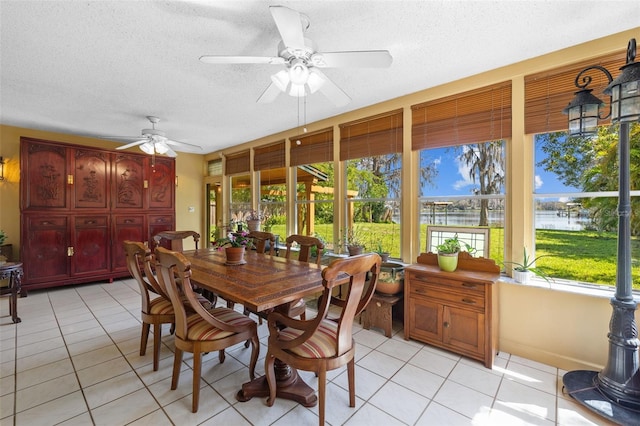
x=306 y=247
x=260 y=239
x=156 y=305
x=205 y=330
x=322 y=344
x=175 y=238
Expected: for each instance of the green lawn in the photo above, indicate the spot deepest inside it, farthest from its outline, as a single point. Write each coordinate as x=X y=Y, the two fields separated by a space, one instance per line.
x=585 y=256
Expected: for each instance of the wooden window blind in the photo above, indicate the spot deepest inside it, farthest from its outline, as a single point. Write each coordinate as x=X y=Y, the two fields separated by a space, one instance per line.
x=314 y=148
x=372 y=136
x=269 y=157
x=548 y=93
x=238 y=163
x=479 y=115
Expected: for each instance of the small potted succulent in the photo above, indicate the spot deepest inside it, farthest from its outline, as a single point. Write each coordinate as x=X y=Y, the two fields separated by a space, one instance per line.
x=522 y=272
x=383 y=253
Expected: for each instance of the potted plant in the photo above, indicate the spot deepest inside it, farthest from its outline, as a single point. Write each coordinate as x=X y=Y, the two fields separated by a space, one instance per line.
x=383 y=254
x=352 y=240
x=522 y=272
x=234 y=245
x=448 y=253
x=3 y=237
x=254 y=219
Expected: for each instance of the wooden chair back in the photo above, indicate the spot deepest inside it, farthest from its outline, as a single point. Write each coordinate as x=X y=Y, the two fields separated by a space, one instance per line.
x=260 y=239
x=322 y=344
x=138 y=260
x=175 y=238
x=306 y=244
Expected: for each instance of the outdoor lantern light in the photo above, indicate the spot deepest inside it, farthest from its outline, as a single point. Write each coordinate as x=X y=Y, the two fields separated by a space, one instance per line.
x=614 y=392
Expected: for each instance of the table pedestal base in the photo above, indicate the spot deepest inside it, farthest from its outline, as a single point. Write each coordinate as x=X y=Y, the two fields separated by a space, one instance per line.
x=289 y=385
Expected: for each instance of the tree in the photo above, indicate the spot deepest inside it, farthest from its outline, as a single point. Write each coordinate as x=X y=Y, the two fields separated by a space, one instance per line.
x=591 y=164
x=486 y=168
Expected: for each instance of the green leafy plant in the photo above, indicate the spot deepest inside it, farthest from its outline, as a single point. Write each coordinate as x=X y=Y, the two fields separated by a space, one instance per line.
x=234 y=239
x=3 y=236
x=449 y=246
x=528 y=265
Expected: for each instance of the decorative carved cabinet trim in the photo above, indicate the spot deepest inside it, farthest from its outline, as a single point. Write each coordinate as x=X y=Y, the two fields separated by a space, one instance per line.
x=456 y=310
x=78 y=204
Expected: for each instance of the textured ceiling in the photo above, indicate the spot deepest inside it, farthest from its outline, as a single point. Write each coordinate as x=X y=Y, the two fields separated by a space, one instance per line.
x=97 y=68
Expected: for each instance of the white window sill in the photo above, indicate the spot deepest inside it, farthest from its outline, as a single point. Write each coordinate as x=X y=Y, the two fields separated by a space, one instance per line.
x=568 y=286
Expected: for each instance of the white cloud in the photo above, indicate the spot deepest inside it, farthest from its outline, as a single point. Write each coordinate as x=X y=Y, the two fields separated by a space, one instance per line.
x=463 y=171
x=537 y=181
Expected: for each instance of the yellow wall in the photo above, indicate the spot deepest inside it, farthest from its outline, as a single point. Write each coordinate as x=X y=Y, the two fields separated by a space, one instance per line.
x=189 y=169
x=555 y=327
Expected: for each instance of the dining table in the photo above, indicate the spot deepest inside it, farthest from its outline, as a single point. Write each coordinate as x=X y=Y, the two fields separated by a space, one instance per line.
x=262 y=284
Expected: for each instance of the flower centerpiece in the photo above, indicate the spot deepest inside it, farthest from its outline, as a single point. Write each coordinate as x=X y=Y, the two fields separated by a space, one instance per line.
x=234 y=245
x=254 y=218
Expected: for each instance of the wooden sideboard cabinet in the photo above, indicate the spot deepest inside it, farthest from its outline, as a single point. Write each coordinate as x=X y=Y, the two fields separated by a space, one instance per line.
x=456 y=310
x=78 y=205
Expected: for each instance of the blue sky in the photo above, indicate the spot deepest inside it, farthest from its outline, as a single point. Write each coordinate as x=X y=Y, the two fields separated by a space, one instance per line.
x=453 y=176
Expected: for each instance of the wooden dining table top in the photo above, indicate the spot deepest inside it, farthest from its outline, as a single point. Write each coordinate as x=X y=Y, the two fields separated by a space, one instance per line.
x=263 y=283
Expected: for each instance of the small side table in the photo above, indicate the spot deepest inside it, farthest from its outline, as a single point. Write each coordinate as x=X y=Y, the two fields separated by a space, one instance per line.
x=13 y=272
x=379 y=312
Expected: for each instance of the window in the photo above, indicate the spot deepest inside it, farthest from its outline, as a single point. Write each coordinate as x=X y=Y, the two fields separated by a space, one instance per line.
x=576 y=198
x=372 y=150
x=269 y=162
x=312 y=157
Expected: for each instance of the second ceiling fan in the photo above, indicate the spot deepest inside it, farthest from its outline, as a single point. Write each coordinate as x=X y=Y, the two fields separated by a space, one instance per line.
x=302 y=74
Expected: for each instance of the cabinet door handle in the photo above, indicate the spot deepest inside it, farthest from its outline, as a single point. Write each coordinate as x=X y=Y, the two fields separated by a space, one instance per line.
x=469 y=301
x=446 y=324
x=69 y=251
x=469 y=285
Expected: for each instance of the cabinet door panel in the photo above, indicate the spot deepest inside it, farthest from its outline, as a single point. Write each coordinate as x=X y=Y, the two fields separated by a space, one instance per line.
x=126 y=228
x=129 y=180
x=425 y=319
x=90 y=183
x=91 y=245
x=162 y=183
x=45 y=249
x=43 y=175
x=464 y=329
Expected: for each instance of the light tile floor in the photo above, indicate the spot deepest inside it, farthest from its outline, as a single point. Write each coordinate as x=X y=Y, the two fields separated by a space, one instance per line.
x=74 y=360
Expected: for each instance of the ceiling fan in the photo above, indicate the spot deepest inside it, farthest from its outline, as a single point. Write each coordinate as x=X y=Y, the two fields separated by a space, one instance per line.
x=302 y=75
x=153 y=141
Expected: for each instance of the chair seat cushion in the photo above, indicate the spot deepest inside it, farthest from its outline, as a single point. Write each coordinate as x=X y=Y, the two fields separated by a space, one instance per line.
x=160 y=306
x=322 y=344
x=200 y=329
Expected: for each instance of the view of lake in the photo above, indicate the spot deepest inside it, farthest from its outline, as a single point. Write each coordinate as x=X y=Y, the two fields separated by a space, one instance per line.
x=544 y=219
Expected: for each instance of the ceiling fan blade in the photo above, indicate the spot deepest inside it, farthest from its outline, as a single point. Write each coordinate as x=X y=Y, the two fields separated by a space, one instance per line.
x=170 y=153
x=180 y=143
x=132 y=144
x=220 y=59
x=289 y=25
x=269 y=95
x=332 y=91
x=362 y=59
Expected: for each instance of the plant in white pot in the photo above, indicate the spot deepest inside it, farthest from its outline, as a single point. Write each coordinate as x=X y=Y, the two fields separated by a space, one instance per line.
x=522 y=272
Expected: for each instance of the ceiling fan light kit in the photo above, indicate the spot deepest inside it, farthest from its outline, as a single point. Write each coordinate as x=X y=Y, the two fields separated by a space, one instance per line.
x=302 y=61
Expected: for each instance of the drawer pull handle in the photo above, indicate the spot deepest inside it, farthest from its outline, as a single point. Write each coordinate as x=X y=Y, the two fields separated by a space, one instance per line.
x=469 y=301
x=46 y=222
x=469 y=285
x=89 y=222
x=421 y=291
x=128 y=221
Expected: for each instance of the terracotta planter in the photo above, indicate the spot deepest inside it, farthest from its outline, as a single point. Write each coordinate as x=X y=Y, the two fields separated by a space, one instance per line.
x=391 y=278
x=235 y=255
x=448 y=262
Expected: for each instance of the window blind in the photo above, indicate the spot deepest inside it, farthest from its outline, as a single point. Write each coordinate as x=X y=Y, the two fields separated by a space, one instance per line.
x=479 y=115
x=548 y=93
x=269 y=157
x=372 y=136
x=237 y=163
x=316 y=147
